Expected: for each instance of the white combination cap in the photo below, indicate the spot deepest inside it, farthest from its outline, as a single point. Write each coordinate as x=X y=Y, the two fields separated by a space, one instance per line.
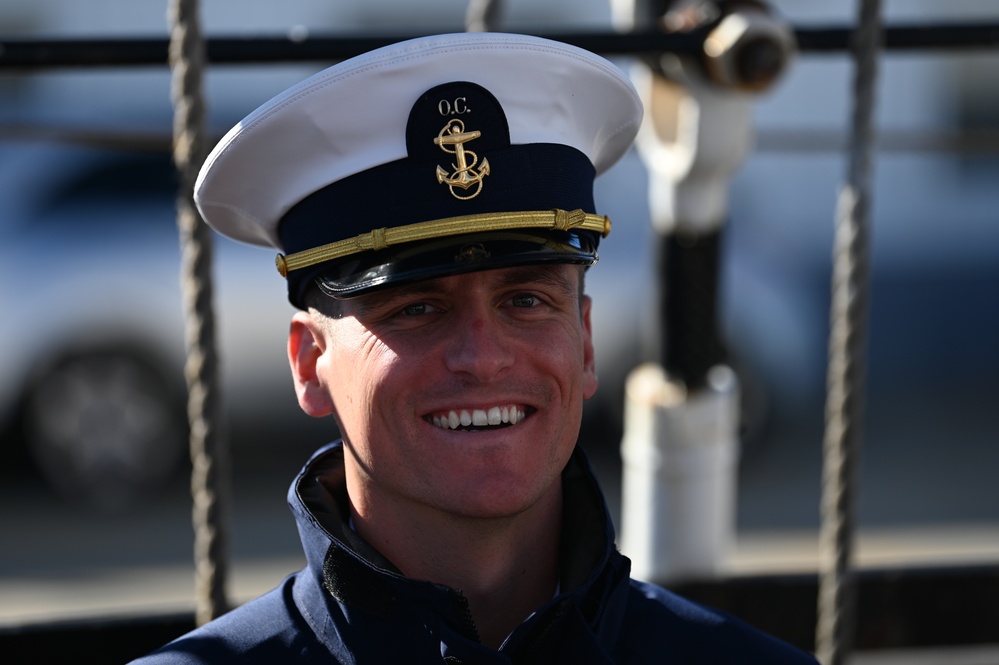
x=428 y=157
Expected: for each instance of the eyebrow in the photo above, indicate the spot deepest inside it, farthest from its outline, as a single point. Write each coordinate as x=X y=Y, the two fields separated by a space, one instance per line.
x=374 y=302
x=511 y=277
x=538 y=274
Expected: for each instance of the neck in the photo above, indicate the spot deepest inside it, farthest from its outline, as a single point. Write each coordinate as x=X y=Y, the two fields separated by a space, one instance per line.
x=506 y=567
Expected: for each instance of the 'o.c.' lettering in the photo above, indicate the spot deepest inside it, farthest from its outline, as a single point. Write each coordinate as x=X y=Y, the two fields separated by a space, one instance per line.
x=459 y=106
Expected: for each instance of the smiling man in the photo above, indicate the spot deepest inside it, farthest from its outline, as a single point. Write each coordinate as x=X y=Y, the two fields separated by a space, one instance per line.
x=433 y=204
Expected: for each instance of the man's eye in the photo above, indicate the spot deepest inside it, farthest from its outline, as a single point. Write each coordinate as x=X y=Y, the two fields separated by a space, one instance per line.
x=524 y=300
x=418 y=309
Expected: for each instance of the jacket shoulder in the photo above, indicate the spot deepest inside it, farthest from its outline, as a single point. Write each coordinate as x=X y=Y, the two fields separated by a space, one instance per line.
x=659 y=623
x=267 y=629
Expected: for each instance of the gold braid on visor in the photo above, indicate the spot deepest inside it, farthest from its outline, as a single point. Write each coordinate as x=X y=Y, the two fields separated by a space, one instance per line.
x=439 y=228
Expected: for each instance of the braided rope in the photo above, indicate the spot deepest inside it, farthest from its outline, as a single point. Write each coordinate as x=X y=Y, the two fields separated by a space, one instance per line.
x=847 y=346
x=207 y=442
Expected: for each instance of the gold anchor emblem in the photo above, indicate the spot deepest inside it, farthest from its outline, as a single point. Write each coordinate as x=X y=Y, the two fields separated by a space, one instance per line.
x=465 y=174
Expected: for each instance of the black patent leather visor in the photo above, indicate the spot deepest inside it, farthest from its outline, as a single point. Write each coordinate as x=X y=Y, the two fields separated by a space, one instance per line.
x=454 y=255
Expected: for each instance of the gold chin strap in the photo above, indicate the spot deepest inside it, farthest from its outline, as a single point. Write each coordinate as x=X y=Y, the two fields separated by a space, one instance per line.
x=440 y=228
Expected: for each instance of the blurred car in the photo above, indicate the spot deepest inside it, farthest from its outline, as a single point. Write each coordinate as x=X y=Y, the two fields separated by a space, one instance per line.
x=91 y=345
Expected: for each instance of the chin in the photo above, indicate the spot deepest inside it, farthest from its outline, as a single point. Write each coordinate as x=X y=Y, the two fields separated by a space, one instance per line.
x=499 y=498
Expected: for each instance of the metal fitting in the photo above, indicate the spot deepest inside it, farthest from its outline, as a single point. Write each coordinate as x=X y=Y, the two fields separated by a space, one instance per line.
x=749 y=49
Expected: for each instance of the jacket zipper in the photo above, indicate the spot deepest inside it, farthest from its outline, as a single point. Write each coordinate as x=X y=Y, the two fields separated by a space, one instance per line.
x=467 y=623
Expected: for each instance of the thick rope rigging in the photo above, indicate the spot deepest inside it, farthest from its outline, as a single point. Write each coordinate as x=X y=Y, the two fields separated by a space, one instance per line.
x=847 y=348
x=209 y=459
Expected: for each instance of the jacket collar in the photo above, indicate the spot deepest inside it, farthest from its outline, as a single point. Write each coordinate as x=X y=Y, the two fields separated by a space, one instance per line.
x=360 y=587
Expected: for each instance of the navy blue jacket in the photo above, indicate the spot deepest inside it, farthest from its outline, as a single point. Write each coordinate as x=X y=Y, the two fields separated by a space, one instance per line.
x=351 y=605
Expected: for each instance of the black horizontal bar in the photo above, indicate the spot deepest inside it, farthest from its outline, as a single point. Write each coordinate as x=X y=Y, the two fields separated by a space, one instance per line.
x=114 y=640
x=906 y=608
x=906 y=37
x=40 y=52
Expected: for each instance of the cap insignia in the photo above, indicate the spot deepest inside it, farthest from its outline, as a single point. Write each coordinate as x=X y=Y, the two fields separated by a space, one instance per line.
x=452 y=140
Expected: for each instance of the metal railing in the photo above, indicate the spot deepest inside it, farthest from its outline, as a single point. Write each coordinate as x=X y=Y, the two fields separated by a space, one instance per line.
x=907 y=608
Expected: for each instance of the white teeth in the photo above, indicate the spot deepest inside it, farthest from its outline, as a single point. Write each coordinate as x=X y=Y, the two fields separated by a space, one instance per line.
x=479 y=417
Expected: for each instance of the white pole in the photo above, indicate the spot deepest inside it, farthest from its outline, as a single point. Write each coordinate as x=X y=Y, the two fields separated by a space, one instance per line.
x=680 y=446
x=680 y=455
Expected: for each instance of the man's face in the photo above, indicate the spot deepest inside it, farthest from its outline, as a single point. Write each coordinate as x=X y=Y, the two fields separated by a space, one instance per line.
x=463 y=394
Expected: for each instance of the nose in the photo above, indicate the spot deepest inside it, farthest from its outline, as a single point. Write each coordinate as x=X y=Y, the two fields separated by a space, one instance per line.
x=479 y=347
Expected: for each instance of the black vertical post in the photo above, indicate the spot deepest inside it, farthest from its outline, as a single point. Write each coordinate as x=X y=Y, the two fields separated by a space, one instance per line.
x=690 y=344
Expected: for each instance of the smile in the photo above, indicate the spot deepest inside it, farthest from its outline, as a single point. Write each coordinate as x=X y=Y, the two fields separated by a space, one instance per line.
x=496 y=416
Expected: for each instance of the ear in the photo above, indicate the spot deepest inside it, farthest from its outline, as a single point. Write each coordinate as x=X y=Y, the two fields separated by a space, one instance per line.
x=306 y=346
x=589 y=362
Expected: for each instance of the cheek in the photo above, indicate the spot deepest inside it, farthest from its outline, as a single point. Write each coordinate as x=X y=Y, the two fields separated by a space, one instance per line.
x=577 y=356
x=360 y=369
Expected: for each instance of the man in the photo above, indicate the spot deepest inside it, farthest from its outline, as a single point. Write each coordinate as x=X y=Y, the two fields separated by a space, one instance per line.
x=433 y=203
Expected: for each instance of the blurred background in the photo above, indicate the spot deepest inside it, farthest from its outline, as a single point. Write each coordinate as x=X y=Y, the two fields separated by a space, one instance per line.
x=94 y=507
